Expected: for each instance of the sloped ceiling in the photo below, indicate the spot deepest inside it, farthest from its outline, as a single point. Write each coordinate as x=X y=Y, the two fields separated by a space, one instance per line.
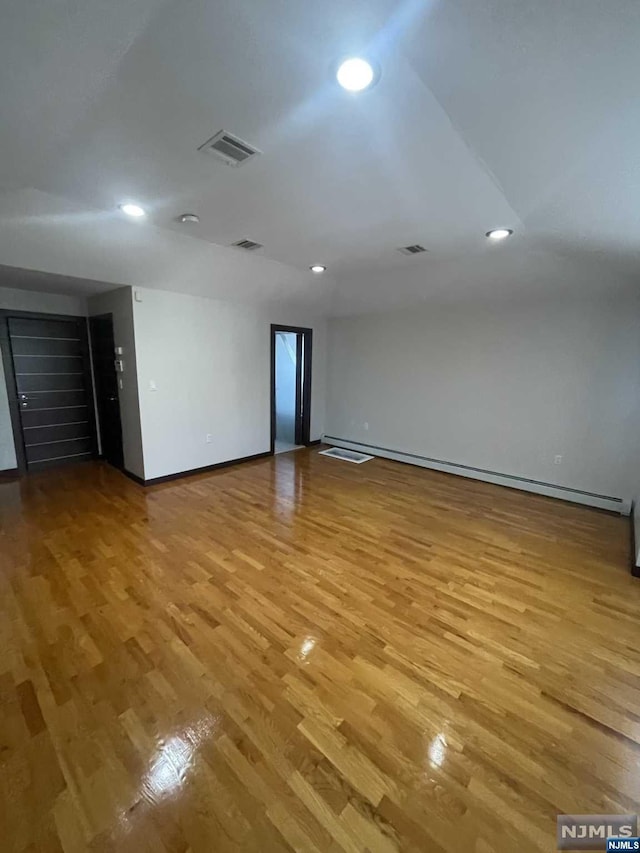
x=488 y=113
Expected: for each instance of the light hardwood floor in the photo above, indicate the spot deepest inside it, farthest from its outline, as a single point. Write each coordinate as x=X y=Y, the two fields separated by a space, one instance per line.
x=304 y=654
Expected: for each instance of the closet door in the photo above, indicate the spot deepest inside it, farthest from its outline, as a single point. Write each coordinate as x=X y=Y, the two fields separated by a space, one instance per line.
x=53 y=388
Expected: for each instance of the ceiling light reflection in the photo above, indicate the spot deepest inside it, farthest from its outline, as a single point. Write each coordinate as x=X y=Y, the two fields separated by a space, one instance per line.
x=168 y=769
x=437 y=750
x=170 y=765
x=307 y=647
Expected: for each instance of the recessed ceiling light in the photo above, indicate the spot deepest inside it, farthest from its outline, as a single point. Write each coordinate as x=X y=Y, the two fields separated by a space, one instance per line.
x=355 y=74
x=499 y=233
x=189 y=218
x=317 y=268
x=132 y=209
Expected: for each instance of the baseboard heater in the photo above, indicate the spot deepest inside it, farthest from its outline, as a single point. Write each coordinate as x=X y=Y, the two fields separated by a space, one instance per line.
x=523 y=483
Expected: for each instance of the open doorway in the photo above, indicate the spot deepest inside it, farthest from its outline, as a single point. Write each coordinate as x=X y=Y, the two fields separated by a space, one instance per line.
x=290 y=387
x=106 y=384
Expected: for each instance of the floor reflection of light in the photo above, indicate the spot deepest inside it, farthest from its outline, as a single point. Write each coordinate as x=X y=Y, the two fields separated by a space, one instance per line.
x=288 y=486
x=307 y=647
x=169 y=768
x=437 y=750
x=170 y=765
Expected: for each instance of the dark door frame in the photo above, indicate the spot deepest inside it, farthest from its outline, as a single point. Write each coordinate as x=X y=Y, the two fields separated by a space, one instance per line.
x=97 y=388
x=304 y=343
x=10 y=377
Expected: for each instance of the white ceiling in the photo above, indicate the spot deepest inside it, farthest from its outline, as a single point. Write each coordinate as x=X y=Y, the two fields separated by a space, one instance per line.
x=488 y=113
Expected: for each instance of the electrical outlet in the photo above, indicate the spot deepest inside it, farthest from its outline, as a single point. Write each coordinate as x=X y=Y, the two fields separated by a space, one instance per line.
x=366 y=425
x=209 y=438
x=557 y=460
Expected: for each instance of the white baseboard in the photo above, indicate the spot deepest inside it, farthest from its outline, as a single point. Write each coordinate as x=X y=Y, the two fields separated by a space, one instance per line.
x=621 y=505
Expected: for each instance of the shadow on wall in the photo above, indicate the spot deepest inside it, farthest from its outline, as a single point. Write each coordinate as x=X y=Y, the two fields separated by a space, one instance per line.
x=636 y=529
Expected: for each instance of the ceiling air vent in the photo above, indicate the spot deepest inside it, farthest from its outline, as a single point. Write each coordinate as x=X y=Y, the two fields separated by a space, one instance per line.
x=416 y=249
x=229 y=148
x=249 y=245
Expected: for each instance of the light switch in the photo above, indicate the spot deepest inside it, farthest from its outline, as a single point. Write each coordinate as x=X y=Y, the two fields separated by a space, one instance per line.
x=152 y=385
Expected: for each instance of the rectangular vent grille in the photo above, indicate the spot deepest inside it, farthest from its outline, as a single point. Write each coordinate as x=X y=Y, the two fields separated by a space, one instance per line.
x=249 y=245
x=416 y=249
x=231 y=149
x=346 y=455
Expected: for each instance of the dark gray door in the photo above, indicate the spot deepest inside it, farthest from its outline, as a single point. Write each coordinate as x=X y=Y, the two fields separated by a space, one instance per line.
x=53 y=389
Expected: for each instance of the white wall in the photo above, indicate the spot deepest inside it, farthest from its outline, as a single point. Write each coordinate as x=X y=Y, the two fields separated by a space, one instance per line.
x=27 y=300
x=503 y=387
x=210 y=361
x=119 y=303
x=13 y=299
